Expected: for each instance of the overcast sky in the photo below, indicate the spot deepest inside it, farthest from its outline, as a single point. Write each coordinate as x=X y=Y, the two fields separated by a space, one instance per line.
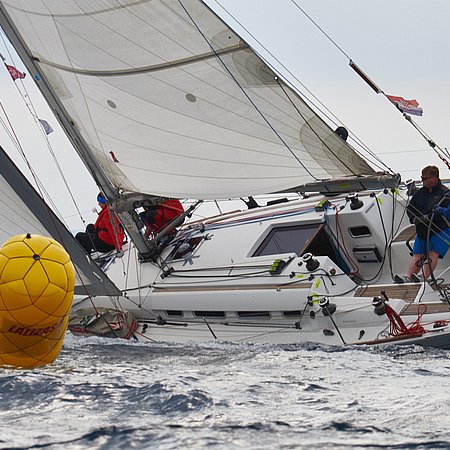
x=401 y=44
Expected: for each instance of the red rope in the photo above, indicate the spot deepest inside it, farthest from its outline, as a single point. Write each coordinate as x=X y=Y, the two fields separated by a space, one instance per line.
x=398 y=327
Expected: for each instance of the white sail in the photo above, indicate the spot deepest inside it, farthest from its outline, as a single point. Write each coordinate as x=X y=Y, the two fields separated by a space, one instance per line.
x=171 y=102
x=23 y=211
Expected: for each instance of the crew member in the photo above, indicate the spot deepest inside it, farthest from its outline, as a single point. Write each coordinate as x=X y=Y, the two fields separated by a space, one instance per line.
x=156 y=217
x=420 y=209
x=106 y=234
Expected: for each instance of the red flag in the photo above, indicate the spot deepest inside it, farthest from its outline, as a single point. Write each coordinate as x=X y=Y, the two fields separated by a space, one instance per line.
x=406 y=106
x=14 y=72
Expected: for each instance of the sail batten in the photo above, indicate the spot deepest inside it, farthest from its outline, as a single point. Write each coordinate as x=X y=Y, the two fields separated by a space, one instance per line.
x=186 y=107
x=138 y=70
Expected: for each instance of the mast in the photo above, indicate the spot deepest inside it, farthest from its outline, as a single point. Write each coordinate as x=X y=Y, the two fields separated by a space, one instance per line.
x=70 y=128
x=24 y=211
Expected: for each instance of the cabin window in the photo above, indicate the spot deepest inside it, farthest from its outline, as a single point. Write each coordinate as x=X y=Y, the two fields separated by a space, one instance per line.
x=253 y=314
x=290 y=239
x=361 y=231
x=174 y=313
x=213 y=314
x=293 y=313
x=301 y=239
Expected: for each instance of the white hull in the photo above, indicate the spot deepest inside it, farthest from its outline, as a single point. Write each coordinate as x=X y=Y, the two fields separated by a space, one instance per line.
x=222 y=286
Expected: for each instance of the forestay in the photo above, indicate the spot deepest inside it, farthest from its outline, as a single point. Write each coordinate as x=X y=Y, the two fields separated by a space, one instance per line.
x=23 y=211
x=171 y=102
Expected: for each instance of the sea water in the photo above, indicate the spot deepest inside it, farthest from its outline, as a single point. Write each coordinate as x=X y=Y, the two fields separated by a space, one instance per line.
x=111 y=394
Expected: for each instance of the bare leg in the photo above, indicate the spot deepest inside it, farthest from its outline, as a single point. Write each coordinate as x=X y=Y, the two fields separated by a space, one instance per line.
x=433 y=258
x=414 y=265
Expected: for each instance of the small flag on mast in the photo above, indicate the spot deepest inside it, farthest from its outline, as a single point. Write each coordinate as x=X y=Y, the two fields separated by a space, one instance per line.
x=406 y=106
x=46 y=126
x=15 y=74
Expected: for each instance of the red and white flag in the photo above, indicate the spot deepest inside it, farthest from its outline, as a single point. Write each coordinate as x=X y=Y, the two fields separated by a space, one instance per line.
x=15 y=74
x=406 y=106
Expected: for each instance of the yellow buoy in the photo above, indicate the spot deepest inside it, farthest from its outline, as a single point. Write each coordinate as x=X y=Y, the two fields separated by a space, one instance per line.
x=36 y=290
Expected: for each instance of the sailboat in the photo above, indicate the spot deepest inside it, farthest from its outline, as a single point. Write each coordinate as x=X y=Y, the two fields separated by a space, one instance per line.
x=162 y=99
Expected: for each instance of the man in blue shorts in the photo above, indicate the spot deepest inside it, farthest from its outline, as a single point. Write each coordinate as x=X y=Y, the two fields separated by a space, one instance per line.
x=420 y=210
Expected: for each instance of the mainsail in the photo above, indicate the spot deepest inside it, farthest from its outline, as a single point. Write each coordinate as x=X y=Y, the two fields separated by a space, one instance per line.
x=166 y=99
x=24 y=211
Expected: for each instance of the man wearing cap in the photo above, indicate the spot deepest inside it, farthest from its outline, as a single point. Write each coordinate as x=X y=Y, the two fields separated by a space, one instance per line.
x=106 y=234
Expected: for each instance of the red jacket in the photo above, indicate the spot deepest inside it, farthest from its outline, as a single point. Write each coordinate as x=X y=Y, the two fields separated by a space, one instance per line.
x=165 y=212
x=108 y=228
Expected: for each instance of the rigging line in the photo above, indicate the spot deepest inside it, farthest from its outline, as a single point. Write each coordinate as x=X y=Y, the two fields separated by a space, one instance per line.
x=110 y=187
x=388 y=242
x=394 y=210
x=252 y=219
x=430 y=142
x=396 y=152
x=253 y=336
x=229 y=268
x=247 y=95
x=175 y=133
x=227 y=50
x=347 y=56
x=428 y=250
x=60 y=171
x=334 y=119
x=139 y=284
x=334 y=238
x=204 y=81
x=218 y=207
x=339 y=231
x=321 y=29
x=55 y=159
x=397 y=202
x=37 y=180
x=167 y=38
x=21 y=151
x=40 y=189
x=229 y=275
x=39 y=193
x=417 y=214
x=311 y=128
x=222 y=279
x=30 y=106
x=367 y=80
x=10 y=132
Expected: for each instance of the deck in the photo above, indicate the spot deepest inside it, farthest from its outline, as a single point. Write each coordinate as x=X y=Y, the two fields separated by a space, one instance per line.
x=407 y=292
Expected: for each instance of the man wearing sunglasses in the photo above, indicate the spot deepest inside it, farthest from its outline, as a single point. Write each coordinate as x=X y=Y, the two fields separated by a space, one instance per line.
x=420 y=210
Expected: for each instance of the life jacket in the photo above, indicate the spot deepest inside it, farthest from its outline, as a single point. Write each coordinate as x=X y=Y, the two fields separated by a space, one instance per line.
x=108 y=229
x=422 y=203
x=163 y=213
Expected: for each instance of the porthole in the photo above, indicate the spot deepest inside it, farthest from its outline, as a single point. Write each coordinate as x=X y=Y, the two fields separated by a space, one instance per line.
x=213 y=314
x=293 y=313
x=174 y=313
x=361 y=231
x=253 y=314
